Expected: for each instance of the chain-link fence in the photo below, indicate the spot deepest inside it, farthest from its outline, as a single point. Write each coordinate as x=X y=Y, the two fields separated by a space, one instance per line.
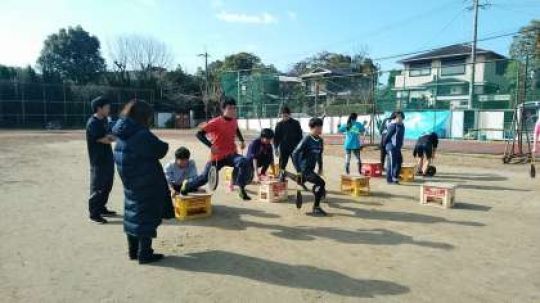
x=442 y=84
x=39 y=105
x=500 y=84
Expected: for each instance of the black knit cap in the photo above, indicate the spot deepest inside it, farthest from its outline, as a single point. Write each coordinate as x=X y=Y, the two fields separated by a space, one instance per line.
x=99 y=102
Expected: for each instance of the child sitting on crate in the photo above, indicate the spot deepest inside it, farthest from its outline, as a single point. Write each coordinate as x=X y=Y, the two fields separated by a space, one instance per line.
x=260 y=153
x=393 y=142
x=352 y=144
x=306 y=156
x=180 y=169
x=221 y=132
x=424 y=150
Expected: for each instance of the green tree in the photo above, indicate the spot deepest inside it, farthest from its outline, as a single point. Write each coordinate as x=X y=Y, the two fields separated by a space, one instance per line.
x=26 y=74
x=357 y=63
x=72 y=54
x=526 y=47
x=241 y=60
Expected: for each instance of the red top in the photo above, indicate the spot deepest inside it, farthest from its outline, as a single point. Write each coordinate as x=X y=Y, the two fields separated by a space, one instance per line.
x=221 y=133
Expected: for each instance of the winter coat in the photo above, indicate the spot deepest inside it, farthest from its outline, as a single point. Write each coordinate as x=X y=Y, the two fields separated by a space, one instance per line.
x=147 y=197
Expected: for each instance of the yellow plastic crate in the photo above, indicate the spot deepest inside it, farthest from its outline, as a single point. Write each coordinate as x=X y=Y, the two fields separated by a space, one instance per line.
x=196 y=205
x=273 y=171
x=355 y=185
x=407 y=172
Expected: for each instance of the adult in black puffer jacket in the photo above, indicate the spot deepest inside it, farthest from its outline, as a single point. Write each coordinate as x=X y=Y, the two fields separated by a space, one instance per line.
x=147 y=198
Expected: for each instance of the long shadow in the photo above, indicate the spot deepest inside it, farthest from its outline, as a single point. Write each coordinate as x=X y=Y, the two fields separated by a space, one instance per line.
x=377 y=236
x=399 y=216
x=234 y=221
x=282 y=274
x=226 y=217
x=387 y=195
x=472 y=177
x=470 y=206
x=480 y=187
x=488 y=187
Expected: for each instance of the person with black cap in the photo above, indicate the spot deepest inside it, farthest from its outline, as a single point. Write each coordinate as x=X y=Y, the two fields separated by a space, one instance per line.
x=288 y=134
x=98 y=140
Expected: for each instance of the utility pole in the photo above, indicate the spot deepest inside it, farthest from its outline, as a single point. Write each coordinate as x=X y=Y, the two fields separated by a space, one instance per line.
x=205 y=97
x=473 y=53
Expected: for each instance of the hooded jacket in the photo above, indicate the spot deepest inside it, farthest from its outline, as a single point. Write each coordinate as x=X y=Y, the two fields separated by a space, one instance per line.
x=147 y=198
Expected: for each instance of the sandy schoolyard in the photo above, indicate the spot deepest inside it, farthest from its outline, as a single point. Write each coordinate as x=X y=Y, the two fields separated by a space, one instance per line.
x=381 y=248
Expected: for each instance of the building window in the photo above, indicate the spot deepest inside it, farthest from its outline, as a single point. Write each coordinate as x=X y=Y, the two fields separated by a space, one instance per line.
x=453 y=67
x=419 y=69
x=500 y=67
x=452 y=90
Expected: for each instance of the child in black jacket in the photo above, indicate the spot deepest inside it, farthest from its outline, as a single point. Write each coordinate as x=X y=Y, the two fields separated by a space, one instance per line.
x=306 y=156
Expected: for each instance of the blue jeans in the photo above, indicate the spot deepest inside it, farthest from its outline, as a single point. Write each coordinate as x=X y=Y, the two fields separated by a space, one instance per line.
x=393 y=166
x=241 y=165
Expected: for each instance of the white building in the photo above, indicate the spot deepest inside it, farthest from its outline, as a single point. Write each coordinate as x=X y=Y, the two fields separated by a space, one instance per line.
x=440 y=79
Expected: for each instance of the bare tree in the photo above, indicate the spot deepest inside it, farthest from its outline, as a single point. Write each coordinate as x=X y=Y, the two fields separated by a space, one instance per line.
x=139 y=53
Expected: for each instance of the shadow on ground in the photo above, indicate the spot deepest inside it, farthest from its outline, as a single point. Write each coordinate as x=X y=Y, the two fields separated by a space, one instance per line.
x=372 y=214
x=232 y=218
x=472 y=177
x=282 y=274
x=480 y=187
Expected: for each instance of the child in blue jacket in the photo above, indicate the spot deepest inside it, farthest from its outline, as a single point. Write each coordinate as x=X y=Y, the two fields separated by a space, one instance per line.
x=393 y=143
x=352 y=143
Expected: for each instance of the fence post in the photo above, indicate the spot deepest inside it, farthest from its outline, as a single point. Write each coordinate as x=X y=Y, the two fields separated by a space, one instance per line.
x=23 y=105
x=65 y=103
x=44 y=105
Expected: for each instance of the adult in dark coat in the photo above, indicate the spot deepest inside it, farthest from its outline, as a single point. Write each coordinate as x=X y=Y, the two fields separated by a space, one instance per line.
x=147 y=197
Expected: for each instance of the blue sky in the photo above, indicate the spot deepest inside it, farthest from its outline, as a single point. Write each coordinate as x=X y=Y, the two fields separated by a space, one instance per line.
x=280 y=31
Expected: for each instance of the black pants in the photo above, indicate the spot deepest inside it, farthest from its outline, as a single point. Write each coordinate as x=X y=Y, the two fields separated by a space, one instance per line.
x=383 y=152
x=139 y=247
x=284 y=155
x=319 y=186
x=242 y=170
x=101 y=182
x=264 y=164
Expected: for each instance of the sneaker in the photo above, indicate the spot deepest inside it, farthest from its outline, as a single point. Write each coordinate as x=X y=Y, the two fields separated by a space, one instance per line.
x=318 y=211
x=151 y=258
x=108 y=213
x=243 y=195
x=133 y=255
x=98 y=219
x=183 y=189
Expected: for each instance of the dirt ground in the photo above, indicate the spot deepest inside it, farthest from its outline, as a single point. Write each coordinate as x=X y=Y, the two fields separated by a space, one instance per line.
x=381 y=248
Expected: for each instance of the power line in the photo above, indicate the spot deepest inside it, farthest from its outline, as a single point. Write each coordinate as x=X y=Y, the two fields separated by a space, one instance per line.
x=400 y=55
x=377 y=31
x=434 y=48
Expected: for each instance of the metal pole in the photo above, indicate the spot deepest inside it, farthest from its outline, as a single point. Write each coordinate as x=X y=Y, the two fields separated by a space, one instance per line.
x=65 y=104
x=206 y=91
x=238 y=88
x=44 y=104
x=526 y=73
x=23 y=105
x=473 y=54
x=316 y=96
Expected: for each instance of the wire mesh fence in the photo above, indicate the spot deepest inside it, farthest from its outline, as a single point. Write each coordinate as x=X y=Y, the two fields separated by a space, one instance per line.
x=40 y=105
x=499 y=86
